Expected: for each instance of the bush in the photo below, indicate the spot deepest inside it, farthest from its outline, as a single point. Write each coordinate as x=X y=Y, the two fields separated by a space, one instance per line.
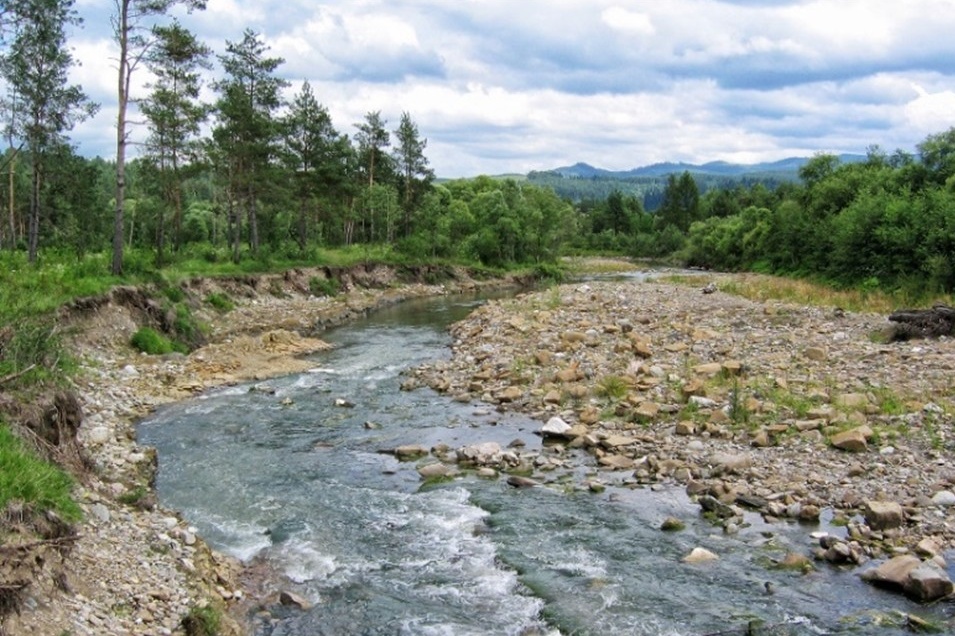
x=324 y=286
x=150 y=341
x=188 y=330
x=549 y=272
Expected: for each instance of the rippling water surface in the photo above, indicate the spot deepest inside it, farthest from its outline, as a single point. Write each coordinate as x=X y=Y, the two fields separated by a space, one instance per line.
x=278 y=470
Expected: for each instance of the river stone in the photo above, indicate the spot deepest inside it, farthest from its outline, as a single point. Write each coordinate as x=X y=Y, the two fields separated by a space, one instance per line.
x=555 y=427
x=436 y=470
x=927 y=547
x=291 y=599
x=100 y=511
x=717 y=507
x=700 y=555
x=731 y=463
x=521 y=482
x=944 y=499
x=616 y=462
x=98 y=435
x=852 y=440
x=882 y=515
x=894 y=572
x=928 y=582
x=410 y=452
x=510 y=394
x=709 y=369
x=480 y=454
x=616 y=441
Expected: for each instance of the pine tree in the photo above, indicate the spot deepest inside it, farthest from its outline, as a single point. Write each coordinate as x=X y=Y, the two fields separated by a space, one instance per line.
x=174 y=115
x=36 y=68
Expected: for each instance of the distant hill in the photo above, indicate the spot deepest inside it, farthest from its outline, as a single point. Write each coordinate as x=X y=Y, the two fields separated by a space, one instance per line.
x=712 y=168
x=582 y=181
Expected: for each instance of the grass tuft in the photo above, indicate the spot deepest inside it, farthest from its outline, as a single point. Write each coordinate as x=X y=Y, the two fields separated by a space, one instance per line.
x=26 y=478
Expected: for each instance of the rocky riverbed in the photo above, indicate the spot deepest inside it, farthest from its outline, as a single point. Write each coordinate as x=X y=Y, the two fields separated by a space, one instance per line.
x=799 y=413
x=132 y=567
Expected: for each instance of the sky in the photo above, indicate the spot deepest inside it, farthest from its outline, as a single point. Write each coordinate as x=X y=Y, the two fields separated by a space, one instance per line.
x=510 y=86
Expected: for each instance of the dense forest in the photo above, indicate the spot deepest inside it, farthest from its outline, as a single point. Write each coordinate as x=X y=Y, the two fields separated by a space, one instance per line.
x=259 y=174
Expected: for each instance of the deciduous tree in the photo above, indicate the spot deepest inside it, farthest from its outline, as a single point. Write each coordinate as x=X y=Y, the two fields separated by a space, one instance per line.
x=131 y=33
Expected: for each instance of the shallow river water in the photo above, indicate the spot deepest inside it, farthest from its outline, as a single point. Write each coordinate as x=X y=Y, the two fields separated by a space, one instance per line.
x=282 y=471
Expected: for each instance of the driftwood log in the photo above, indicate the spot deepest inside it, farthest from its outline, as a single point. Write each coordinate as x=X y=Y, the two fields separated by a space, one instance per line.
x=923 y=323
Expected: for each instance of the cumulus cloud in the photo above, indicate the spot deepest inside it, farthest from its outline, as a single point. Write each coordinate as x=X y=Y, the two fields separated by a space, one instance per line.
x=931 y=112
x=498 y=86
x=623 y=19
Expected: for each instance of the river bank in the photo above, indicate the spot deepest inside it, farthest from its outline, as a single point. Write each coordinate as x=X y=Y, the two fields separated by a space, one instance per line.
x=731 y=399
x=134 y=567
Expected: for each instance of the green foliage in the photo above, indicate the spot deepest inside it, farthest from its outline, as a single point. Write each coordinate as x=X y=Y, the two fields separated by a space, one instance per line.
x=324 y=286
x=203 y=620
x=220 y=302
x=25 y=478
x=612 y=387
x=31 y=351
x=188 y=329
x=150 y=341
x=881 y=224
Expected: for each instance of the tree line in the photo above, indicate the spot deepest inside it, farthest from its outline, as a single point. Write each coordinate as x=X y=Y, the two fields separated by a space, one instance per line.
x=254 y=174
x=886 y=222
x=271 y=176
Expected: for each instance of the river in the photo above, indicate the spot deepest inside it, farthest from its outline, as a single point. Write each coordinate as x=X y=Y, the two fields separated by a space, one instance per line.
x=291 y=471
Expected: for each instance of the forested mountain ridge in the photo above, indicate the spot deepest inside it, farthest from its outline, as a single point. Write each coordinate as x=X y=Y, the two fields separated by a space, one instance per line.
x=788 y=167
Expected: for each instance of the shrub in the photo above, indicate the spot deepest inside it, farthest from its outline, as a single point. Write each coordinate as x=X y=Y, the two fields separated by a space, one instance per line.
x=150 y=341
x=324 y=286
x=188 y=330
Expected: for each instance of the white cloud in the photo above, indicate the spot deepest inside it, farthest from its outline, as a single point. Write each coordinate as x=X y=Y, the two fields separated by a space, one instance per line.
x=498 y=86
x=931 y=112
x=629 y=21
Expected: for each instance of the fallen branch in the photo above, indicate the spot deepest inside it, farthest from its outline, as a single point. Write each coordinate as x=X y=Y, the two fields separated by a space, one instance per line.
x=60 y=541
x=14 y=376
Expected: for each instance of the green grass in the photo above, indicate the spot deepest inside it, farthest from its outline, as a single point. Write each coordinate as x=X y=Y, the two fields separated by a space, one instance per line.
x=323 y=286
x=26 y=478
x=202 y=621
x=150 y=341
x=763 y=287
x=612 y=387
x=220 y=302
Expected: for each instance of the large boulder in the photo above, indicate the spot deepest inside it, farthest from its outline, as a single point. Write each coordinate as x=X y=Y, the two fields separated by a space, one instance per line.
x=883 y=515
x=921 y=581
x=928 y=582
